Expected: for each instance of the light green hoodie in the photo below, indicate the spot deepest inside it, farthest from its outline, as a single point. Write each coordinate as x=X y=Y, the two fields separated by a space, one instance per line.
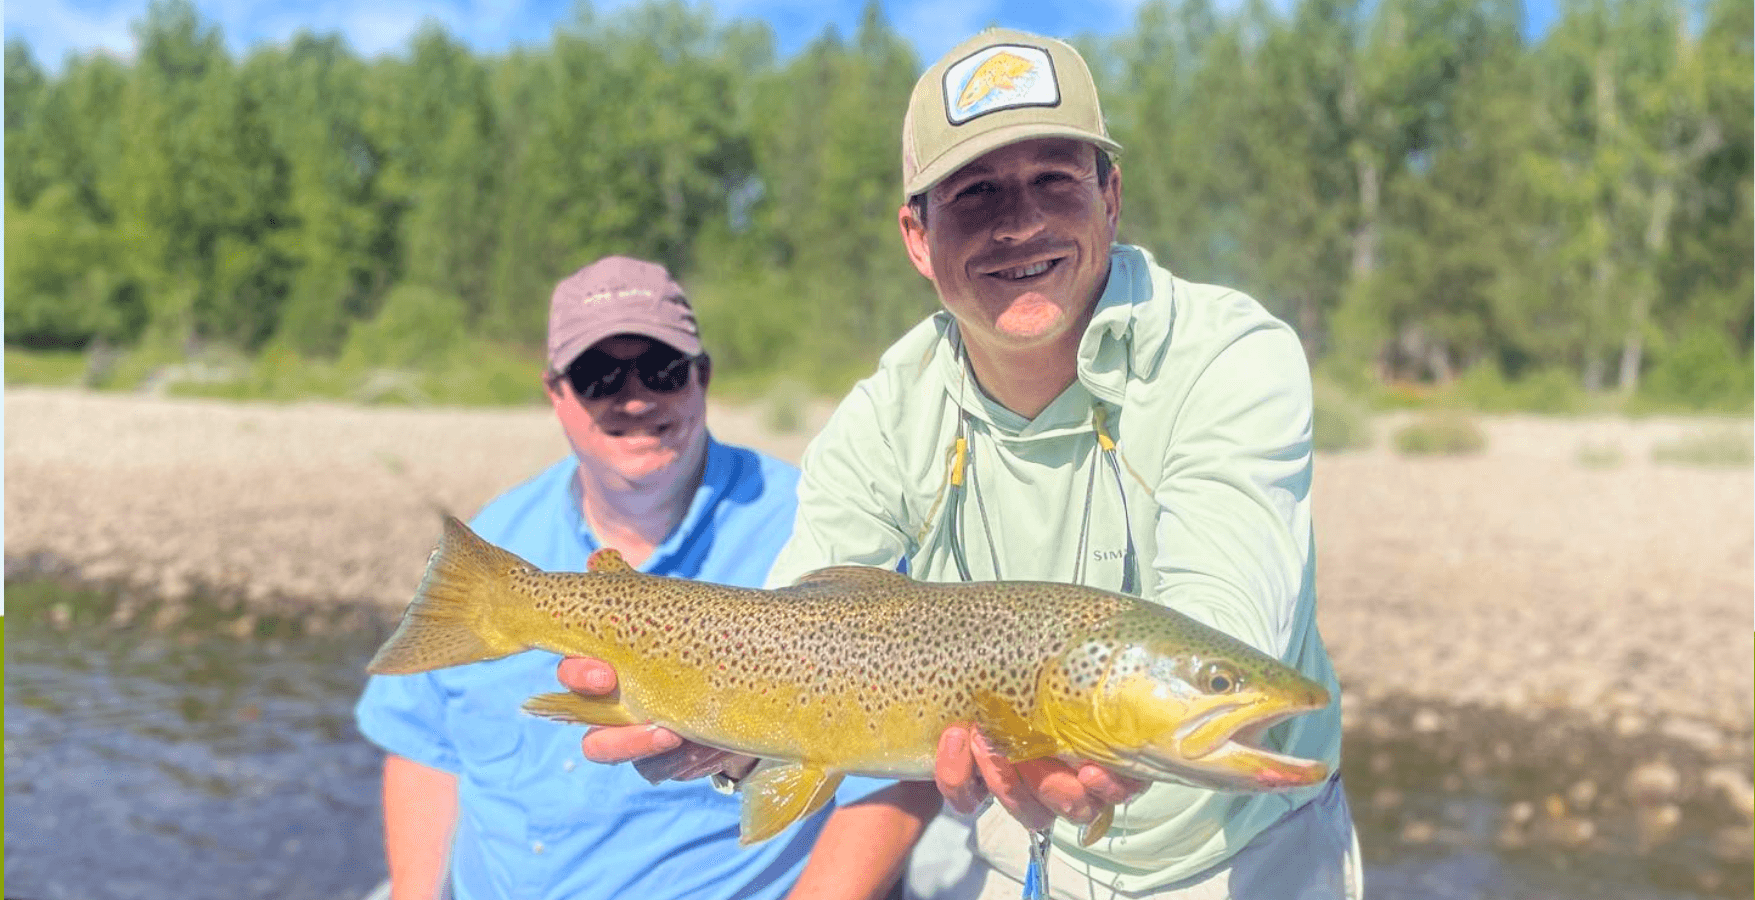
x=1207 y=398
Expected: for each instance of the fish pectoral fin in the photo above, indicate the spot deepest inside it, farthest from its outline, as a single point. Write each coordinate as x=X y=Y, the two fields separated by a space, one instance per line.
x=1008 y=732
x=1096 y=828
x=566 y=706
x=777 y=794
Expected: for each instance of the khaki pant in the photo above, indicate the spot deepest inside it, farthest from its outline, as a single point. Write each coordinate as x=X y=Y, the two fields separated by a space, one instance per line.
x=1311 y=854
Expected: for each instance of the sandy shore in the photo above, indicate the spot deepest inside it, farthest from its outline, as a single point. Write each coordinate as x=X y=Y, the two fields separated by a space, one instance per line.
x=1519 y=579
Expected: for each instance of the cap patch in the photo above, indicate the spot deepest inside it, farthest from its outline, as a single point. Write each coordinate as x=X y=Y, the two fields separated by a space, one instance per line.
x=1006 y=76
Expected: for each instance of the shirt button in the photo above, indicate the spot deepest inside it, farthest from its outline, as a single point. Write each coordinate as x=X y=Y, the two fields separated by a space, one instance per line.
x=536 y=847
x=569 y=766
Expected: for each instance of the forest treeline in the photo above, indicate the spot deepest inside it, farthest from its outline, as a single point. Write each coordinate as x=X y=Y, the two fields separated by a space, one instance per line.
x=1425 y=194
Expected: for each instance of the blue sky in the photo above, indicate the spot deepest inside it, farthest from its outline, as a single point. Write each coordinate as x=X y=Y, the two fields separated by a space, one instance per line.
x=52 y=28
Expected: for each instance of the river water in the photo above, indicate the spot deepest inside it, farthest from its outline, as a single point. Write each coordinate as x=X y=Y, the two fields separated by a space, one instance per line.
x=192 y=752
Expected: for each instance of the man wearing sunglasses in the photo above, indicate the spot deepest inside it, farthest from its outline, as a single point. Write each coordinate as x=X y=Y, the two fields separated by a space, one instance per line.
x=481 y=801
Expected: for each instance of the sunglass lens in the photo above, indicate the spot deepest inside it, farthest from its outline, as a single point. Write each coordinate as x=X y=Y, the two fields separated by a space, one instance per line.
x=671 y=377
x=597 y=375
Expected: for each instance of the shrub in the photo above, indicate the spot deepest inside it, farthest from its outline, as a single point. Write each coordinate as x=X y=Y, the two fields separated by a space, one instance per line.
x=1447 y=434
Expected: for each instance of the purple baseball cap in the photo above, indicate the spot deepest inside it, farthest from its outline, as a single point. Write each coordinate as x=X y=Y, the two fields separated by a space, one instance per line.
x=618 y=295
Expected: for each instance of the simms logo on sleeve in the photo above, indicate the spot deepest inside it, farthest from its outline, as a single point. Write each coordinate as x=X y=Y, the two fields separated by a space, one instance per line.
x=1003 y=77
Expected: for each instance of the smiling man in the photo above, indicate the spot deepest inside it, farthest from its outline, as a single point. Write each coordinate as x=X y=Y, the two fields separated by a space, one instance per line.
x=482 y=801
x=1077 y=413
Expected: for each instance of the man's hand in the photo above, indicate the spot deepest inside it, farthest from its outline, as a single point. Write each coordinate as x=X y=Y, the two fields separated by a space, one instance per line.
x=659 y=753
x=1034 y=792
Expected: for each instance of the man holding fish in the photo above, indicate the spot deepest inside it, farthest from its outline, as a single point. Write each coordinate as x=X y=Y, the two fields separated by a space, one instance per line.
x=482 y=801
x=1075 y=414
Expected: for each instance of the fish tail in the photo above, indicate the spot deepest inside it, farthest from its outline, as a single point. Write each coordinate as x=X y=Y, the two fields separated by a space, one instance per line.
x=453 y=617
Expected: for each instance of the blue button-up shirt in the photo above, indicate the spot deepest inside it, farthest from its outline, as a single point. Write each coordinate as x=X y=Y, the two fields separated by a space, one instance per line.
x=536 y=819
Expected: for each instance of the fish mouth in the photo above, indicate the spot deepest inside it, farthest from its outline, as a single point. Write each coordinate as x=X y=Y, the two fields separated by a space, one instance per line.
x=1221 y=747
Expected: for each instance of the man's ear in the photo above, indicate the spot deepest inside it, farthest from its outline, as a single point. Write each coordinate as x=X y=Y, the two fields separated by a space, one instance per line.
x=914 y=237
x=1112 y=200
x=552 y=386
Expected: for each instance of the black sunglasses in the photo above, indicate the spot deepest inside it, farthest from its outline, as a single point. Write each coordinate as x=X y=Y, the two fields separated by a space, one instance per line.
x=661 y=369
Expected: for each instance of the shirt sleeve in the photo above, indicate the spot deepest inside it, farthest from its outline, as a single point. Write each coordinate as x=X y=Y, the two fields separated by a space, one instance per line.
x=1233 y=530
x=848 y=497
x=405 y=715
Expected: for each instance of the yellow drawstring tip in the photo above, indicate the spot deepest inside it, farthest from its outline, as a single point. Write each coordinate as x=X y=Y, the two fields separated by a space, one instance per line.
x=1099 y=419
x=959 y=454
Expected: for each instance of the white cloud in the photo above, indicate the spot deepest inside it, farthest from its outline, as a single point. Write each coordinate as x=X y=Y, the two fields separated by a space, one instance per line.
x=53 y=28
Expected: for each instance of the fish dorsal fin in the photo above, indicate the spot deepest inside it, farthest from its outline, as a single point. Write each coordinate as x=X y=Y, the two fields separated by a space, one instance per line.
x=852 y=578
x=608 y=561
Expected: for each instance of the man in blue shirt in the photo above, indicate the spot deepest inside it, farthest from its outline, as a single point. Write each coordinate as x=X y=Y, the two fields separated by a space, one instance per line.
x=488 y=802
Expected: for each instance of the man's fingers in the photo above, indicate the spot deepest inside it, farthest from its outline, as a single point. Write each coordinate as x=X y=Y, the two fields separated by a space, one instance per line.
x=621 y=743
x=1009 y=788
x=1058 y=789
x=1107 y=786
x=685 y=763
x=954 y=771
x=586 y=675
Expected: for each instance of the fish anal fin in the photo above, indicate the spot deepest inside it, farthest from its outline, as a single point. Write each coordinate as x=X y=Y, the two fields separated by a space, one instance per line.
x=1007 y=730
x=608 y=561
x=853 y=578
x=566 y=706
x=777 y=794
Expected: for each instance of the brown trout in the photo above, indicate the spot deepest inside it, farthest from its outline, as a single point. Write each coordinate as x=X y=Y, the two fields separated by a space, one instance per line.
x=857 y=670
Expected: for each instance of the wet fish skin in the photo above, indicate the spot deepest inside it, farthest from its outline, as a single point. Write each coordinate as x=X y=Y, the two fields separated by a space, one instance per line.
x=857 y=670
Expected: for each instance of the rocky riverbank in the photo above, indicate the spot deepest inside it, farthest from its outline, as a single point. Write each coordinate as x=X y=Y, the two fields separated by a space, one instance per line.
x=1561 y=576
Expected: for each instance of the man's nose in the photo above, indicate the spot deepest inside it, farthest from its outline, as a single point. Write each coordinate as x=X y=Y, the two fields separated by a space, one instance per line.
x=1020 y=216
x=635 y=398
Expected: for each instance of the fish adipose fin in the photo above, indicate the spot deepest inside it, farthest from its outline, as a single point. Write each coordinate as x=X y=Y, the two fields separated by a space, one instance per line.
x=566 y=706
x=777 y=794
x=451 y=620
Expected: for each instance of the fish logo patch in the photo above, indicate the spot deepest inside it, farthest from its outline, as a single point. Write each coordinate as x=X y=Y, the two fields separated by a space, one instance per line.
x=1004 y=77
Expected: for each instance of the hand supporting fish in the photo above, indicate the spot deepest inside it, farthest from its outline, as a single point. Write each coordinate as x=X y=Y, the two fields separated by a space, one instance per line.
x=967 y=770
x=860 y=671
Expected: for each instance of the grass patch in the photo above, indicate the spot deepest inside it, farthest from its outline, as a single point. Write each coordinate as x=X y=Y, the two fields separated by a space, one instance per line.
x=478 y=373
x=53 y=368
x=1441 y=434
x=1719 y=447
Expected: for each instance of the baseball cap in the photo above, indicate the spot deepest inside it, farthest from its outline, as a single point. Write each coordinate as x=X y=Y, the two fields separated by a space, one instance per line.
x=618 y=295
x=999 y=87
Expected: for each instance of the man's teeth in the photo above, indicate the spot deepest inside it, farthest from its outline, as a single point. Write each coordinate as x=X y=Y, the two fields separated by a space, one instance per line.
x=1026 y=271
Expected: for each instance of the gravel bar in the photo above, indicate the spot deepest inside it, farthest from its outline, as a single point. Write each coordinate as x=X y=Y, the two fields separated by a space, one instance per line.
x=1521 y=578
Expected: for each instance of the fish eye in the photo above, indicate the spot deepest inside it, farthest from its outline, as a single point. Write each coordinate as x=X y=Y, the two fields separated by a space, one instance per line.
x=1218 y=678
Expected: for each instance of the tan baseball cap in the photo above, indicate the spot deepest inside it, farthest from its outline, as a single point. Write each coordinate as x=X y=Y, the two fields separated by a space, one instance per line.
x=999 y=87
